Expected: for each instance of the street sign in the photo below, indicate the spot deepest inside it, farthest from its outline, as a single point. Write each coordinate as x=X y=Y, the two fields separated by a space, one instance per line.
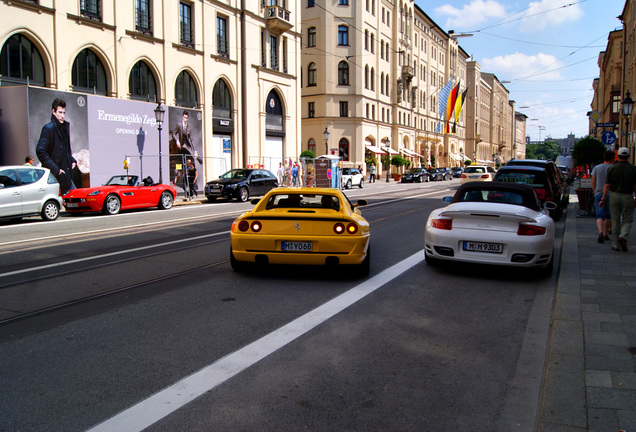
x=608 y=138
x=595 y=115
x=606 y=124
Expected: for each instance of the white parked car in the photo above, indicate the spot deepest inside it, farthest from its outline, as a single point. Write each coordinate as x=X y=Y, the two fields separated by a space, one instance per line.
x=478 y=173
x=350 y=177
x=27 y=191
x=492 y=223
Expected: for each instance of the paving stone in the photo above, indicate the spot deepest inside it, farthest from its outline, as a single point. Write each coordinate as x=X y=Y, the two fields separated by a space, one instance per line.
x=624 y=380
x=619 y=399
x=609 y=364
x=595 y=378
x=602 y=420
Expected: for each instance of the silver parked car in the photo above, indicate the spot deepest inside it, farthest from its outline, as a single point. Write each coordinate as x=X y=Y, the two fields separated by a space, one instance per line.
x=26 y=191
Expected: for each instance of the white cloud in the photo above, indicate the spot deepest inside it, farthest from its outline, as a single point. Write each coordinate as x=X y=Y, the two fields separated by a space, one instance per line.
x=544 y=13
x=519 y=66
x=472 y=14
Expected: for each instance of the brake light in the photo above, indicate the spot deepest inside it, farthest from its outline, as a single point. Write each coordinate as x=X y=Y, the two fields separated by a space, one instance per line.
x=243 y=225
x=339 y=228
x=485 y=176
x=352 y=228
x=256 y=226
x=444 y=224
x=464 y=176
x=530 y=230
x=540 y=193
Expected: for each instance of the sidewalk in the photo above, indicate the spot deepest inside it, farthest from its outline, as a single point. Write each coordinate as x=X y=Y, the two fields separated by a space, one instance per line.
x=590 y=378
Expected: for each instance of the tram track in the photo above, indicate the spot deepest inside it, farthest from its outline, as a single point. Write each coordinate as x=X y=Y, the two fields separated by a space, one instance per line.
x=75 y=275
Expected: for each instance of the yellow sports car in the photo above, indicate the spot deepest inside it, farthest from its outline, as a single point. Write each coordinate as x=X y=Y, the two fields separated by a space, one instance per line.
x=301 y=225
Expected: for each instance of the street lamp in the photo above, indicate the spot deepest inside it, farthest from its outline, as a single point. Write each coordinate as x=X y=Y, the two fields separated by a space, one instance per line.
x=628 y=105
x=325 y=134
x=159 y=112
x=387 y=142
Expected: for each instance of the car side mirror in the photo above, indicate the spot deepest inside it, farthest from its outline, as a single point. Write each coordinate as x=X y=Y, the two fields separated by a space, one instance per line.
x=447 y=199
x=549 y=205
x=360 y=203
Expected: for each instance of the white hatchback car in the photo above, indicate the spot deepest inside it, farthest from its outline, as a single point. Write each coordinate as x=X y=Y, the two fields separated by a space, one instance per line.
x=351 y=177
x=27 y=191
x=478 y=173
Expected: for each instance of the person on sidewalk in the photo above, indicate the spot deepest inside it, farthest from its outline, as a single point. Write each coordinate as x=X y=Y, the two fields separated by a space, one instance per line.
x=603 y=221
x=621 y=181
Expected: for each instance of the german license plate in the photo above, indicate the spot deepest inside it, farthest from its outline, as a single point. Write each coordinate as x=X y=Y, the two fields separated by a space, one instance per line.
x=471 y=246
x=72 y=205
x=296 y=246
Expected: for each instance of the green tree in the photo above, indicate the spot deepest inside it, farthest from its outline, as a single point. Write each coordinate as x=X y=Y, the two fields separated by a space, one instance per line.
x=588 y=151
x=308 y=154
x=547 y=150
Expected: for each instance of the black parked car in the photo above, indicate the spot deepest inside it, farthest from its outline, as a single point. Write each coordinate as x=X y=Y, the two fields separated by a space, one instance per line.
x=457 y=171
x=448 y=173
x=241 y=183
x=538 y=178
x=560 y=187
x=438 y=174
x=414 y=175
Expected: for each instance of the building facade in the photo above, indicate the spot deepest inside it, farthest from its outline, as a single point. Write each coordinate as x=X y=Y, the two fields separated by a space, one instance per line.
x=235 y=61
x=372 y=71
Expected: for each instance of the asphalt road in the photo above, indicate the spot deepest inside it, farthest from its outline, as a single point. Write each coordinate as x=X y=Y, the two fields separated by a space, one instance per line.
x=179 y=342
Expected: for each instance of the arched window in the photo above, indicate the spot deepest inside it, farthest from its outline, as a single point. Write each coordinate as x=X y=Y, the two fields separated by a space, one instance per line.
x=312 y=145
x=366 y=77
x=343 y=73
x=221 y=100
x=185 y=91
x=343 y=149
x=372 y=43
x=311 y=74
x=274 y=115
x=372 y=78
x=386 y=85
x=382 y=83
x=142 y=84
x=89 y=75
x=20 y=61
x=366 y=40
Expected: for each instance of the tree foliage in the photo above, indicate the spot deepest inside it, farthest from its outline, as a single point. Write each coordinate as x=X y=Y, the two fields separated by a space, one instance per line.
x=547 y=150
x=588 y=151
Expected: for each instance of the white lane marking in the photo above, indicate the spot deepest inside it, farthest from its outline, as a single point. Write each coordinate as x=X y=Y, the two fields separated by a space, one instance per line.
x=79 y=260
x=158 y=406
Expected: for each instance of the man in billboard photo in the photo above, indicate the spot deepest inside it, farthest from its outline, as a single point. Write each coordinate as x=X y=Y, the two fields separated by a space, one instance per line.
x=54 y=147
x=182 y=142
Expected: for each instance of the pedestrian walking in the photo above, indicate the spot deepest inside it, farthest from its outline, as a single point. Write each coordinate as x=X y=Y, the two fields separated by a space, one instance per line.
x=372 y=173
x=192 y=180
x=599 y=173
x=621 y=182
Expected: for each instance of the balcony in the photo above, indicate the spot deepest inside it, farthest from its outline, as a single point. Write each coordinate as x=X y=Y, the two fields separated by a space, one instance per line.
x=407 y=72
x=278 y=18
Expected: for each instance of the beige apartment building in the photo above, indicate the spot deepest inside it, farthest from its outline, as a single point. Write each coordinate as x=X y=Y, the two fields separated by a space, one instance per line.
x=236 y=62
x=607 y=87
x=617 y=78
x=372 y=73
x=497 y=134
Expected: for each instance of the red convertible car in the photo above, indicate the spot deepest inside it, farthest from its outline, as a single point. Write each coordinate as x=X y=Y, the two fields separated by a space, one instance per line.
x=121 y=192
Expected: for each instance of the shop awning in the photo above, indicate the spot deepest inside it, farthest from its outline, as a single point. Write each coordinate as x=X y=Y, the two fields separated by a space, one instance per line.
x=374 y=149
x=409 y=152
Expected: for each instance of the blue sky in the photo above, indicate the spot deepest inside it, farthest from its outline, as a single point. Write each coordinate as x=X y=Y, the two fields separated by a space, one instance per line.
x=547 y=49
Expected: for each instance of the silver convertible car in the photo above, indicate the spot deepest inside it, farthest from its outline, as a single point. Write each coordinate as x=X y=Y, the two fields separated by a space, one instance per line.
x=492 y=223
